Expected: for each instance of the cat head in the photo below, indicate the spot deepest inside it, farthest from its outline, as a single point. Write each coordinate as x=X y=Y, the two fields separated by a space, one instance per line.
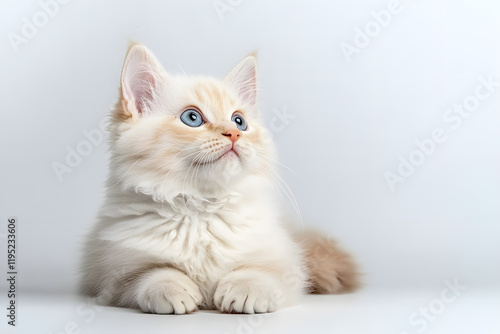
x=175 y=135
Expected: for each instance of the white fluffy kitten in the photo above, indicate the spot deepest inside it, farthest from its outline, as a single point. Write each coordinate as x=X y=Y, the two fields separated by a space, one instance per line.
x=191 y=217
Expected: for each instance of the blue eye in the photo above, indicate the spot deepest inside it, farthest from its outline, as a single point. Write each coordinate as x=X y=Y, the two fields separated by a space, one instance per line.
x=240 y=122
x=192 y=118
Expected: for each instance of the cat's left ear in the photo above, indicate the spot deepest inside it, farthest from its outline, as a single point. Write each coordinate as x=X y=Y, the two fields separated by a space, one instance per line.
x=243 y=78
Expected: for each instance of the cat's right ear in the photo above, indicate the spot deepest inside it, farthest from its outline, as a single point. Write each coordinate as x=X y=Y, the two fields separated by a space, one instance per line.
x=243 y=78
x=141 y=79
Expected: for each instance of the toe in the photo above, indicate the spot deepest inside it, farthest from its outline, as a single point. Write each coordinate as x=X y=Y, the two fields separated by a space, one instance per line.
x=261 y=306
x=249 y=304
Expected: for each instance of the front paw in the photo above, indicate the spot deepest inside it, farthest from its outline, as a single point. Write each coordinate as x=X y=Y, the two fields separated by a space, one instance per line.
x=248 y=292
x=168 y=291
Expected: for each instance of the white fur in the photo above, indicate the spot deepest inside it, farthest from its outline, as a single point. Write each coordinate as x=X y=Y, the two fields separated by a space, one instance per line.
x=167 y=291
x=206 y=240
x=212 y=238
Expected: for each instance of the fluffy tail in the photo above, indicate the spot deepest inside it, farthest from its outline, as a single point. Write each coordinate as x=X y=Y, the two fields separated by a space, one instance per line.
x=331 y=270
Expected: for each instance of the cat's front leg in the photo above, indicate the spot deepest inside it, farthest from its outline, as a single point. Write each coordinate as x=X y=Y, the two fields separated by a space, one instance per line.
x=167 y=290
x=250 y=290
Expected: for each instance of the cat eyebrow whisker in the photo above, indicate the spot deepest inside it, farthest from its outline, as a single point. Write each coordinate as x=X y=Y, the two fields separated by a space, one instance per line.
x=187 y=76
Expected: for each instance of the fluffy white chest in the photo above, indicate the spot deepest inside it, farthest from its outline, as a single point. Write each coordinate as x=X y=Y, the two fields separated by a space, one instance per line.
x=202 y=244
x=204 y=241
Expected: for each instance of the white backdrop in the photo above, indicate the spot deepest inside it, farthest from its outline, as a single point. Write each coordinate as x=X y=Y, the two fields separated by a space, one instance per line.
x=355 y=92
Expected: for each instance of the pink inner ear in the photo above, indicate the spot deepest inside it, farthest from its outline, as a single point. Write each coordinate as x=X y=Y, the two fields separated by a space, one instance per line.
x=140 y=80
x=140 y=84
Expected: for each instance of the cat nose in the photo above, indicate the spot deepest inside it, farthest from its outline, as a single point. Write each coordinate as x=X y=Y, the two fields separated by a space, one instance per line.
x=233 y=134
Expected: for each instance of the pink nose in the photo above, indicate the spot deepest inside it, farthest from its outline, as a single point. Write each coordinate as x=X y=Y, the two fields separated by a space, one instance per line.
x=233 y=134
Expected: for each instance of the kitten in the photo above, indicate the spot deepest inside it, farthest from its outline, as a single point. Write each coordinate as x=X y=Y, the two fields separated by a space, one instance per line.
x=191 y=217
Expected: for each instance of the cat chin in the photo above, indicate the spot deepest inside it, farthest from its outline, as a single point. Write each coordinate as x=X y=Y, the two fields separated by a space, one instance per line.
x=230 y=157
x=225 y=177
x=222 y=169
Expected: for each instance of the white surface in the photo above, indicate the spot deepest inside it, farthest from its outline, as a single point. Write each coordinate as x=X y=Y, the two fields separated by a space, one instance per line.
x=475 y=310
x=352 y=120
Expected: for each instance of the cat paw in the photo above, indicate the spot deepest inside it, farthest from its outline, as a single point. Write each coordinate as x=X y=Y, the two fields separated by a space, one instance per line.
x=168 y=291
x=247 y=292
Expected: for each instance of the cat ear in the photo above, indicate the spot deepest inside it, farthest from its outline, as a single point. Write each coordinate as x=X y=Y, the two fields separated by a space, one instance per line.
x=243 y=78
x=142 y=76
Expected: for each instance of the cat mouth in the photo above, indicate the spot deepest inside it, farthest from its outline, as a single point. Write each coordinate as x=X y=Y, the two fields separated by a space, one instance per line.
x=228 y=154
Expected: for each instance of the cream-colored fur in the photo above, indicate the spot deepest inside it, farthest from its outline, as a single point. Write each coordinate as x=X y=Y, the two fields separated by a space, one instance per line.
x=190 y=219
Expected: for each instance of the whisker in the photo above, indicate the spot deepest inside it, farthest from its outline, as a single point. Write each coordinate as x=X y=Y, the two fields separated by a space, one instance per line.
x=124 y=174
x=197 y=167
x=279 y=163
x=164 y=179
x=191 y=165
x=286 y=189
x=273 y=180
